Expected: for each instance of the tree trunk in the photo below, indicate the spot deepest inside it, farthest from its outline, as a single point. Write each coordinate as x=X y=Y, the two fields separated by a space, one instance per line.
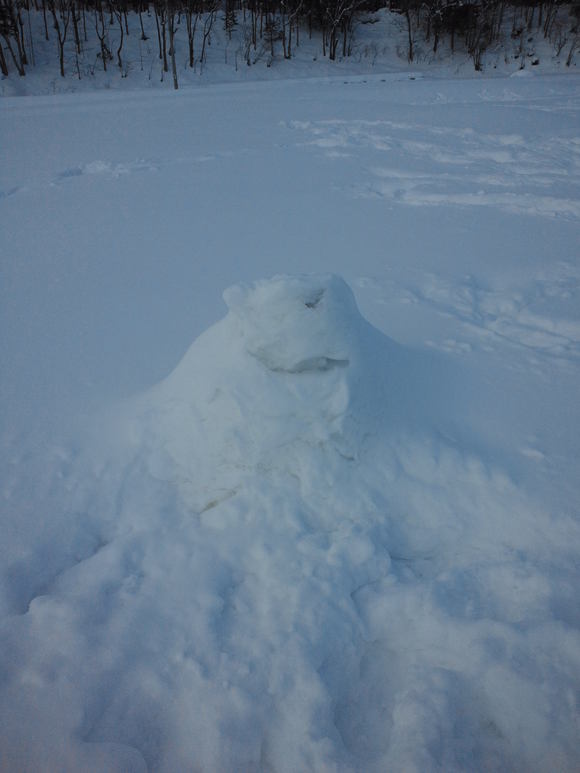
x=158 y=31
x=143 y=35
x=410 y=33
x=172 y=48
x=191 y=25
x=76 y=30
x=164 y=40
x=44 y=18
x=119 y=16
x=284 y=41
x=61 y=33
x=17 y=62
x=332 y=44
x=208 y=24
x=19 y=28
x=100 y=20
x=31 y=39
x=254 y=28
x=3 y=64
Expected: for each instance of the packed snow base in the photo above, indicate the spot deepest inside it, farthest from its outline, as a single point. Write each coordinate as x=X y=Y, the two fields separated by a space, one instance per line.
x=275 y=574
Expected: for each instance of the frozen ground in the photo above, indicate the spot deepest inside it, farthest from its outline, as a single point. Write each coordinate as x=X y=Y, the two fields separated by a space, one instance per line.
x=304 y=542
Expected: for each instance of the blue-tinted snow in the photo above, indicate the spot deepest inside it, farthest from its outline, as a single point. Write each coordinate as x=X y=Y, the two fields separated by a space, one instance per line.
x=315 y=543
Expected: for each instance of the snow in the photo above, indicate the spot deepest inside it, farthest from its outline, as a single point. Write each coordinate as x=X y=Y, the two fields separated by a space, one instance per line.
x=379 y=49
x=333 y=523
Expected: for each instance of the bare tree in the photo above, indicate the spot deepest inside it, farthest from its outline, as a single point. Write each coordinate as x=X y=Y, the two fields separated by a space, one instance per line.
x=193 y=11
x=10 y=33
x=172 y=10
x=118 y=9
x=61 y=16
x=101 y=33
x=211 y=12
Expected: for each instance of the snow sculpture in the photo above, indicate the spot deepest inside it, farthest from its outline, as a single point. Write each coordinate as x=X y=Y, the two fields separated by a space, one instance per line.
x=292 y=365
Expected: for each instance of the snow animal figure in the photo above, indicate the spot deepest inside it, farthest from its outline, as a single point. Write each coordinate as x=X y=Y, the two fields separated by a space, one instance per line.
x=292 y=364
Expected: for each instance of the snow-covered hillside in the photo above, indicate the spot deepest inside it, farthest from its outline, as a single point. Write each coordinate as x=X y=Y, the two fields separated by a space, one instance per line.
x=332 y=524
x=378 y=42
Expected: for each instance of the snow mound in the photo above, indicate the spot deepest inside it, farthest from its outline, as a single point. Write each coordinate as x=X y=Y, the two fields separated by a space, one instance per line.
x=292 y=365
x=522 y=73
x=279 y=572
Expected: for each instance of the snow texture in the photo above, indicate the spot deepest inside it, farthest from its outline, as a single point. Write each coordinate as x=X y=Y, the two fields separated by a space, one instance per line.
x=329 y=539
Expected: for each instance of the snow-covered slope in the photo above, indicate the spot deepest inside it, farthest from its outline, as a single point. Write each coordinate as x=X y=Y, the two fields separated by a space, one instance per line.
x=379 y=44
x=308 y=541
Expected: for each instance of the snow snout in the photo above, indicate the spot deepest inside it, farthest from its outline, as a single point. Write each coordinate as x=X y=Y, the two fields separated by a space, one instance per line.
x=300 y=324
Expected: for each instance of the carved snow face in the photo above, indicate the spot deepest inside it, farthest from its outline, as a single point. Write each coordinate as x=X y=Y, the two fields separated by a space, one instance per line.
x=298 y=324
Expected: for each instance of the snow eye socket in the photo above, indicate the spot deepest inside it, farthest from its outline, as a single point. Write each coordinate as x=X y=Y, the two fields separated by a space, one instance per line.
x=312 y=302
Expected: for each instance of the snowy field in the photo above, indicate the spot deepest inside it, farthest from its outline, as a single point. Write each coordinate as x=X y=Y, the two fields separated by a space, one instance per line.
x=312 y=528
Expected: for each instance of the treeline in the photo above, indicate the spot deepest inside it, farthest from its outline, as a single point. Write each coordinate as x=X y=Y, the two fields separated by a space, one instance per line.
x=480 y=23
x=277 y=21
x=271 y=26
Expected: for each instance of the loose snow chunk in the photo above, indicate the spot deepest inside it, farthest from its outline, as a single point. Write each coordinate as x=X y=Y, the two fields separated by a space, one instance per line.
x=297 y=324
